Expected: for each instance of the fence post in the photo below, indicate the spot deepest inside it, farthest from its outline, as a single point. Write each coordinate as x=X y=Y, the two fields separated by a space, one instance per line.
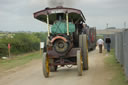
x=9 y=47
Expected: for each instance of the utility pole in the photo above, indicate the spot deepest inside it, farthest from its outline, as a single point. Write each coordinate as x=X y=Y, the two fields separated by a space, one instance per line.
x=124 y=24
x=107 y=25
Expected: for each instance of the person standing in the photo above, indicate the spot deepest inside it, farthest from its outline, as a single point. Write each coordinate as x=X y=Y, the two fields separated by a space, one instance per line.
x=100 y=43
x=108 y=42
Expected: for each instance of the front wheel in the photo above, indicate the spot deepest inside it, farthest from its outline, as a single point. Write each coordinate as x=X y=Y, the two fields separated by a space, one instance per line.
x=52 y=68
x=46 y=70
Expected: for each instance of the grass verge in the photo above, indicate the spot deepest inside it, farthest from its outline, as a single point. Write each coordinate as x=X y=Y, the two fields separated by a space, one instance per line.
x=115 y=68
x=18 y=60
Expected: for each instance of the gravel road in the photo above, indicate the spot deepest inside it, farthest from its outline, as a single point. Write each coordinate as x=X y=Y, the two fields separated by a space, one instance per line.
x=31 y=74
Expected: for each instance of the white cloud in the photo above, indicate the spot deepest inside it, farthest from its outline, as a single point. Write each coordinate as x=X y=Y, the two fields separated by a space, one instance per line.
x=18 y=15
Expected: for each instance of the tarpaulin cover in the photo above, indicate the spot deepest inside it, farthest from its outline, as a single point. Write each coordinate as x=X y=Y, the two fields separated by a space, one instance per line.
x=61 y=27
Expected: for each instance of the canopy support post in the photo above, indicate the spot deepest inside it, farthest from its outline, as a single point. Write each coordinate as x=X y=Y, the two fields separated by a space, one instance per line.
x=48 y=26
x=67 y=20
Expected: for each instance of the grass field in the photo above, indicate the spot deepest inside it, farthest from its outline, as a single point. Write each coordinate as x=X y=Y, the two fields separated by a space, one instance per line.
x=116 y=70
x=1 y=35
x=6 y=35
x=18 y=60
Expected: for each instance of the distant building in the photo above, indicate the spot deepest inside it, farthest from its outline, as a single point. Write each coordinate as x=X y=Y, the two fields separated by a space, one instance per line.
x=111 y=28
x=108 y=31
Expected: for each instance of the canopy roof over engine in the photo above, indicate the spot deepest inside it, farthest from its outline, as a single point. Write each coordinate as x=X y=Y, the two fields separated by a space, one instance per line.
x=74 y=14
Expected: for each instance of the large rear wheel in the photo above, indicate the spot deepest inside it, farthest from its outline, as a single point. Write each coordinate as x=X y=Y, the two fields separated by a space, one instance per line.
x=79 y=63
x=46 y=70
x=83 y=44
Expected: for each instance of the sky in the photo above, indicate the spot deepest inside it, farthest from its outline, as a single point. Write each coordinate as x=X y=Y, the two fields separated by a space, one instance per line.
x=17 y=15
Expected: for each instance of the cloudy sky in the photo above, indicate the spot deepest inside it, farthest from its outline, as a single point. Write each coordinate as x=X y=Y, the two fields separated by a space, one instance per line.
x=17 y=15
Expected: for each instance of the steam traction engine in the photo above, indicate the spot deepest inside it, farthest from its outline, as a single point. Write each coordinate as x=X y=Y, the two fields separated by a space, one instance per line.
x=67 y=40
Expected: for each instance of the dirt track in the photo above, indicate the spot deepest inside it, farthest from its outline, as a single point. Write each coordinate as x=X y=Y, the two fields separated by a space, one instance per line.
x=31 y=74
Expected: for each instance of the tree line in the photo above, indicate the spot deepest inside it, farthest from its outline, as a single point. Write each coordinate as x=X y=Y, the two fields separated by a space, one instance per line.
x=22 y=43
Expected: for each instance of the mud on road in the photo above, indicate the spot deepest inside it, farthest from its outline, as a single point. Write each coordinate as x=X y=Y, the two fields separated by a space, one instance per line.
x=31 y=74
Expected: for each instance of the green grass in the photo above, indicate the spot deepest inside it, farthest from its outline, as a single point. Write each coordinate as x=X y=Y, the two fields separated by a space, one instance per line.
x=118 y=77
x=1 y=35
x=4 y=34
x=99 y=37
x=18 y=60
